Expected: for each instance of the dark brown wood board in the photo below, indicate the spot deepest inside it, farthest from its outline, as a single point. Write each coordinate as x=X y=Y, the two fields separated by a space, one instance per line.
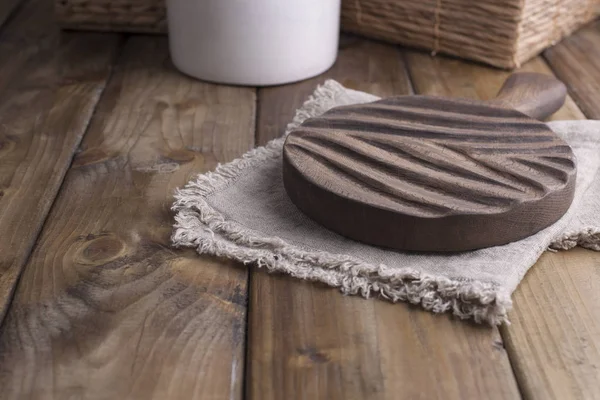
x=359 y=67
x=554 y=339
x=49 y=86
x=435 y=174
x=576 y=61
x=553 y=357
x=306 y=337
x=447 y=77
x=105 y=309
x=103 y=315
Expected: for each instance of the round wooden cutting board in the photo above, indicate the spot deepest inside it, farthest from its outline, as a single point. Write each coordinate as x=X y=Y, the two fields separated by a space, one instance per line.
x=433 y=174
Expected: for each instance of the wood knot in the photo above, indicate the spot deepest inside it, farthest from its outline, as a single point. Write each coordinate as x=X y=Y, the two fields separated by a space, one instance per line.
x=181 y=156
x=91 y=156
x=311 y=355
x=101 y=250
x=162 y=105
x=5 y=191
x=6 y=145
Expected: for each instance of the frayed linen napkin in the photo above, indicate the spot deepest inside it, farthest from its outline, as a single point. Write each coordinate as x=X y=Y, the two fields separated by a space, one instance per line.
x=241 y=211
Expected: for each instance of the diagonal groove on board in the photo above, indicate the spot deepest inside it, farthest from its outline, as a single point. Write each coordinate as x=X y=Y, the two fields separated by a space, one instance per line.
x=305 y=338
x=104 y=308
x=536 y=377
x=50 y=84
x=554 y=341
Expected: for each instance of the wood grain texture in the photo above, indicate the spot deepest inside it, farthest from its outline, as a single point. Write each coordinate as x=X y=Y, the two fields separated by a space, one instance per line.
x=433 y=174
x=307 y=341
x=536 y=95
x=553 y=339
x=104 y=309
x=49 y=86
x=361 y=65
x=576 y=61
x=440 y=76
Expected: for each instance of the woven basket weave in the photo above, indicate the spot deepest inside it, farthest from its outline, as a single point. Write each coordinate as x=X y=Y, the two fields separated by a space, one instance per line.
x=113 y=15
x=503 y=33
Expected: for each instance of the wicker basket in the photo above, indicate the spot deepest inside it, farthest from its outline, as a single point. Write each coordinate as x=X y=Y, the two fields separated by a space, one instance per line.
x=147 y=16
x=502 y=33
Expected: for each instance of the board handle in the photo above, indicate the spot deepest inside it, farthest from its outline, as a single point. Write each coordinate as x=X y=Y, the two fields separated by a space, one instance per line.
x=536 y=95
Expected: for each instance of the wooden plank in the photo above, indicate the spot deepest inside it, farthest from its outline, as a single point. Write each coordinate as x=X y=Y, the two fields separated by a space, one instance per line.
x=358 y=67
x=442 y=76
x=307 y=341
x=6 y=9
x=104 y=309
x=553 y=341
x=576 y=60
x=49 y=86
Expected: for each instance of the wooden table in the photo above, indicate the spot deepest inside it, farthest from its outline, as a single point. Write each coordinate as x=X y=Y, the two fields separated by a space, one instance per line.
x=96 y=132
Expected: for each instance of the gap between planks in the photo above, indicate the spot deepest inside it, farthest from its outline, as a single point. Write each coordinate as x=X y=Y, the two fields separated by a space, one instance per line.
x=554 y=341
x=307 y=341
x=50 y=84
x=104 y=308
x=553 y=356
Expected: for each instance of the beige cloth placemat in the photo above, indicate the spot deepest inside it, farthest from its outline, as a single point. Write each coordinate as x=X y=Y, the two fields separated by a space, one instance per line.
x=241 y=211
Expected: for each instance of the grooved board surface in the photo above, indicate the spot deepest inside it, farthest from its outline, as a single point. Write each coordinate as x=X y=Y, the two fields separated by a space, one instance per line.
x=554 y=340
x=428 y=173
x=307 y=341
x=104 y=309
x=553 y=337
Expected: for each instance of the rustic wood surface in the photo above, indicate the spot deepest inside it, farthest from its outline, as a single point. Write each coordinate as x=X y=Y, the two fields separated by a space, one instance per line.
x=576 y=60
x=303 y=336
x=104 y=309
x=554 y=339
x=361 y=65
x=546 y=364
x=49 y=86
x=536 y=95
x=432 y=173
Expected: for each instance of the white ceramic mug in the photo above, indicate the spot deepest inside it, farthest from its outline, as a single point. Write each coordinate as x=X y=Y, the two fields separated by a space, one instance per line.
x=253 y=42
